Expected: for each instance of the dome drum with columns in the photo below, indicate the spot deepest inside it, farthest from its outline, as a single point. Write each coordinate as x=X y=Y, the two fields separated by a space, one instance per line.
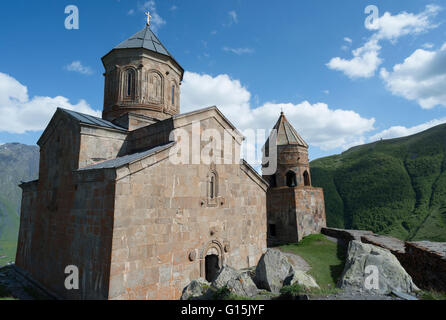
x=142 y=78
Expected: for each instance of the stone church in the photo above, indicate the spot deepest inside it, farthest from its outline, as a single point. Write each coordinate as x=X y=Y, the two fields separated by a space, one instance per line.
x=109 y=200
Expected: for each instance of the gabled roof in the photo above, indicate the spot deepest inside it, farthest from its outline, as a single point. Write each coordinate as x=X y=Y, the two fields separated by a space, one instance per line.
x=206 y=109
x=124 y=160
x=286 y=134
x=144 y=39
x=80 y=118
x=87 y=119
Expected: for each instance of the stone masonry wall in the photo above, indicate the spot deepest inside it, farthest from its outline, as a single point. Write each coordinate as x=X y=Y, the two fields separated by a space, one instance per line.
x=310 y=211
x=66 y=219
x=98 y=144
x=295 y=212
x=166 y=224
x=79 y=233
x=282 y=214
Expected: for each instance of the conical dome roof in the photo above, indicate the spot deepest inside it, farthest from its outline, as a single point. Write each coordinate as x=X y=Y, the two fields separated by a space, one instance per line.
x=144 y=39
x=286 y=134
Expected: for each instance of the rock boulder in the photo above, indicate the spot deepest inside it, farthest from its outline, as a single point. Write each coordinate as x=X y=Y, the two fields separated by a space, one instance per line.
x=303 y=279
x=375 y=260
x=196 y=290
x=238 y=282
x=273 y=271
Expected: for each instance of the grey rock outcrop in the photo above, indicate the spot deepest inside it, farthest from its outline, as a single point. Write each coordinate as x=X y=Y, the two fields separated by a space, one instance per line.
x=273 y=271
x=303 y=279
x=197 y=289
x=366 y=257
x=238 y=282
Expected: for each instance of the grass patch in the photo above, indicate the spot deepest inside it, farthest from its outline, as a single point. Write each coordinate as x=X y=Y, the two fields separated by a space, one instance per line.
x=432 y=295
x=325 y=257
x=7 y=252
x=226 y=294
x=5 y=294
x=9 y=226
x=289 y=292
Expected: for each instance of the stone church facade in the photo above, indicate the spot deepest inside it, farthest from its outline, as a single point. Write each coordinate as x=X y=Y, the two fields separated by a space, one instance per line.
x=110 y=201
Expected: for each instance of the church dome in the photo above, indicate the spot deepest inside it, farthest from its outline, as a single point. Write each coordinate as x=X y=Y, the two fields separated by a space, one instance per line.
x=141 y=78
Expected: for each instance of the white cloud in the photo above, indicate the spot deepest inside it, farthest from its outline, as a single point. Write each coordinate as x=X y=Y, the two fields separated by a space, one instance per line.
x=393 y=27
x=238 y=51
x=401 y=131
x=364 y=63
x=428 y=45
x=349 y=41
x=202 y=90
x=156 y=21
x=366 y=59
x=131 y=12
x=19 y=113
x=320 y=125
x=76 y=66
x=317 y=123
x=421 y=78
x=233 y=17
x=173 y=8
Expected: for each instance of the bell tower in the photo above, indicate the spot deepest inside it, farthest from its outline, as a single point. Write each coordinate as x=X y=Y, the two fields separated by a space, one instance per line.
x=295 y=209
x=142 y=79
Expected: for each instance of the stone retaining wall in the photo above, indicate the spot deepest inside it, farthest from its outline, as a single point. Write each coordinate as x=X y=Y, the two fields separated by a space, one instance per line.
x=426 y=263
x=346 y=235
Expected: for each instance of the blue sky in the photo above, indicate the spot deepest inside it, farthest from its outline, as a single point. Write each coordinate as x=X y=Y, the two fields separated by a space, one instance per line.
x=250 y=58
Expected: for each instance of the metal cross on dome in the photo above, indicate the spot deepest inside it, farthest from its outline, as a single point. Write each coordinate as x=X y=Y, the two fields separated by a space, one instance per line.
x=148 y=17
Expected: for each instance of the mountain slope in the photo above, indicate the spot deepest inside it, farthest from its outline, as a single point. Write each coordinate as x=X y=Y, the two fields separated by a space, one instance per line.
x=395 y=187
x=18 y=162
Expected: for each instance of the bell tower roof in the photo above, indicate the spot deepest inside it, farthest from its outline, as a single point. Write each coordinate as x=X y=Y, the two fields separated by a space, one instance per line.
x=286 y=134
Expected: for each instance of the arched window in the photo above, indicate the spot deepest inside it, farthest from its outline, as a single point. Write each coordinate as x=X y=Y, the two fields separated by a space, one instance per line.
x=129 y=84
x=306 y=179
x=291 y=180
x=155 y=87
x=212 y=188
x=173 y=95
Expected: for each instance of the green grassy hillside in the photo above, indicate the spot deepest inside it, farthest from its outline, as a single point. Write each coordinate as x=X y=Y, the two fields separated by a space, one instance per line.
x=17 y=163
x=395 y=187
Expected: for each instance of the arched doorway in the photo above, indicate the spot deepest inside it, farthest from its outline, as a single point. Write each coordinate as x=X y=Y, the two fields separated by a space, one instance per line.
x=211 y=260
x=211 y=267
